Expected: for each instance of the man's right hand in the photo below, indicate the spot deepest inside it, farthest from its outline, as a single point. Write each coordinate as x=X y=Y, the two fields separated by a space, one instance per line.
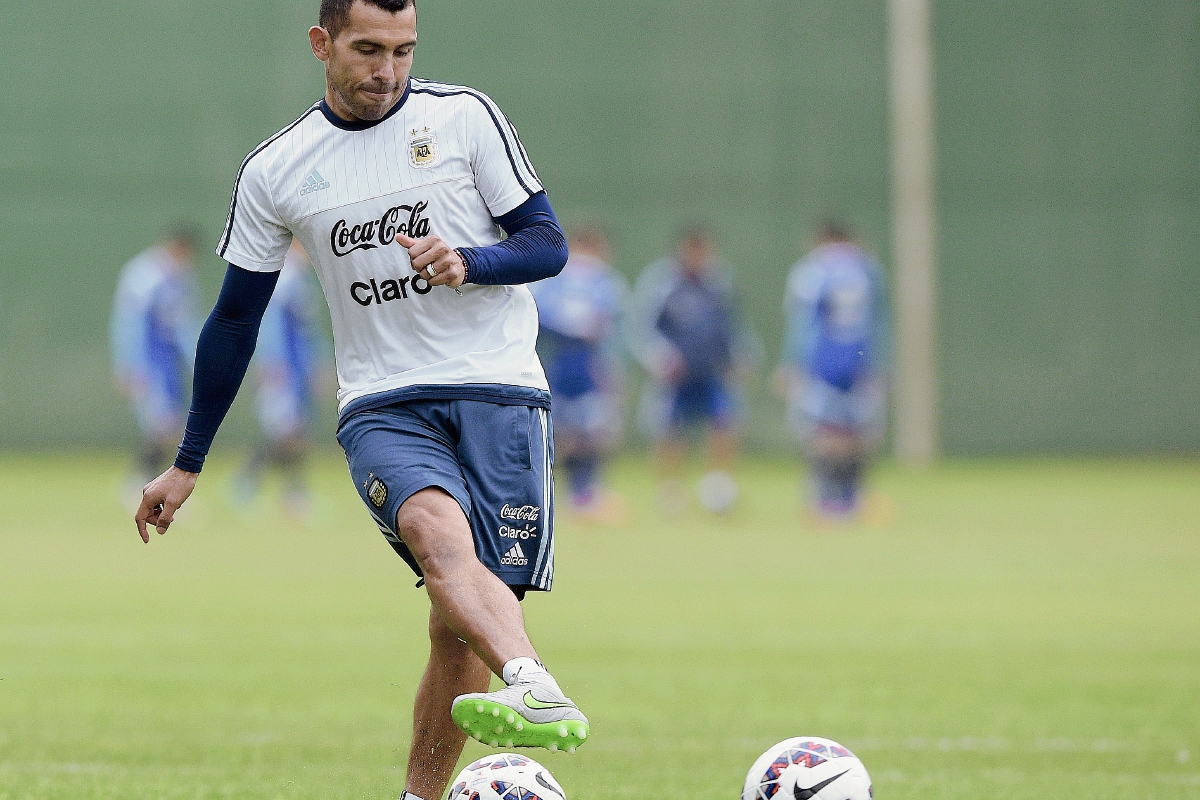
x=161 y=498
x=669 y=367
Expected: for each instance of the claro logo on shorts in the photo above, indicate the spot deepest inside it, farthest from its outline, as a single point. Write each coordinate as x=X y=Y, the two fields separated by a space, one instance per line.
x=528 y=532
x=345 y=238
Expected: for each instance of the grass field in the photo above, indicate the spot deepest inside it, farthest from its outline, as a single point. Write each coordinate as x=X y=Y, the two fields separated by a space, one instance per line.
x=1022 y=630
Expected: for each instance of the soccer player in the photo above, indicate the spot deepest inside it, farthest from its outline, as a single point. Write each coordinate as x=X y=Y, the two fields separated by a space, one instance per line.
x=398 y=189
x=832 y=367
x=580 y=312
x=287 y=365
x=687 y=336
x=152 y=337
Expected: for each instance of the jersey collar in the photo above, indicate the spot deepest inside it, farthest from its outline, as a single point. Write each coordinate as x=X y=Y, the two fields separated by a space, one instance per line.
x=362 y=125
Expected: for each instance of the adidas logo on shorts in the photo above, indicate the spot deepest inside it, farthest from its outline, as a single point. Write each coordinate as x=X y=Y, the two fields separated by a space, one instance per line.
x=515 y=557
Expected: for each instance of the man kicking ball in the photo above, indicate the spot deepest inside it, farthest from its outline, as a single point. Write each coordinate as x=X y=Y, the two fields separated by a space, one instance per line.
x=397 y=188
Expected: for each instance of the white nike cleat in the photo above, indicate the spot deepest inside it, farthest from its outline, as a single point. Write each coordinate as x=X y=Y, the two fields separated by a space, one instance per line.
x=522 y=715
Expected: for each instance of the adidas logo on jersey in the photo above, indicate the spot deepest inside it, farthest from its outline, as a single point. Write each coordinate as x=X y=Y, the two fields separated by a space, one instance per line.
x=313 y=183
x=515 y=557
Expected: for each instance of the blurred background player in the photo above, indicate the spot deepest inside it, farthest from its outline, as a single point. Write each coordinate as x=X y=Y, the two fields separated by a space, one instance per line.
x=152 y=334
x=289 y=365
x=580 y=313
x=686 y=333
x=832 y=368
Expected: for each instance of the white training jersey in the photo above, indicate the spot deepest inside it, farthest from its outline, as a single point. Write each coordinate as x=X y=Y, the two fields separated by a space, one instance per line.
x=445 y=161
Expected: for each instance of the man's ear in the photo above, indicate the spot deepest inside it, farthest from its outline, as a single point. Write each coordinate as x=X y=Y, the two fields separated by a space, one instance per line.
x=321 y=42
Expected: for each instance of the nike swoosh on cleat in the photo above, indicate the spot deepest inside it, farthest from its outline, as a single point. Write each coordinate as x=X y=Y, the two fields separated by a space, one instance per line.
x=533 y=702
x=811 y=792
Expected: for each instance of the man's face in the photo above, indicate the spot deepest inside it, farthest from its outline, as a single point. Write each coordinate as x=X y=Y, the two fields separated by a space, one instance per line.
x=182 y=252
x=694 y=254
x=590 y=243
x=367 y=65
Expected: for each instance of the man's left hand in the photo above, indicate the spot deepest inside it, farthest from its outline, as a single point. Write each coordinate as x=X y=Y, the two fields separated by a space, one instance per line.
x=436 y=261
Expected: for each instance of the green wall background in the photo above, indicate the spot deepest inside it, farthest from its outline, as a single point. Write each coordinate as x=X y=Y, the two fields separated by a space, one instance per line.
x=1070 y=225
x=1068 y=167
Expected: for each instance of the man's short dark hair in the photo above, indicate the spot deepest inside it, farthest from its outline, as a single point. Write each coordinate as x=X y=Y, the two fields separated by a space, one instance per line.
x=184 y=233
x=832 y=229
x=695 y=231
x=590 y=234
x=336 y=13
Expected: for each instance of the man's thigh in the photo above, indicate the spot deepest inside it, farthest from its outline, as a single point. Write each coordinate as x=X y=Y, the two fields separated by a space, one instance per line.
x=592 y=420
x=859 y=410
x=495 y=460
x=395 y=452
x=159 y=414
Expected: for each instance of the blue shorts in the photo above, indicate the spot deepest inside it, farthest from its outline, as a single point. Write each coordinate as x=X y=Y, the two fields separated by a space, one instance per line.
x=160 y=411
x=860 y=411
x=495 y=460
x=697 y=402
x=593 y=418
x=283 y=410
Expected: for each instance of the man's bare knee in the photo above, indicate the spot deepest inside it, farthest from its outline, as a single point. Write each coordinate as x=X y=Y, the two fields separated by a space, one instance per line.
x=452 y=653
x=435 y=530
x=426 y=511
x=440 y=634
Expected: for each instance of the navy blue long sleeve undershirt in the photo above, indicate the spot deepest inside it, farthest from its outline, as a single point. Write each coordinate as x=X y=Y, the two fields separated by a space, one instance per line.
x=535 y=249
x=222 y=355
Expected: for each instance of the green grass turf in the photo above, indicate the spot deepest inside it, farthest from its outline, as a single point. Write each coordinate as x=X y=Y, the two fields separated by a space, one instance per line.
x=1022 y=630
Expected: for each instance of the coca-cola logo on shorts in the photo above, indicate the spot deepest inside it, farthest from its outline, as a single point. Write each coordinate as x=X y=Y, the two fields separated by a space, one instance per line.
x=520 y=513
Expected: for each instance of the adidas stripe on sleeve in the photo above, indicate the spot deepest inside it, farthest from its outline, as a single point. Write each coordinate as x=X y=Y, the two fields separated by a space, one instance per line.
x=503 y=175
x=255 y=237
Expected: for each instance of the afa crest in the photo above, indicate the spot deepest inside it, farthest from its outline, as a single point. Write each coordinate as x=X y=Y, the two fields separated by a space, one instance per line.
x=377 y=493
x=422 y=148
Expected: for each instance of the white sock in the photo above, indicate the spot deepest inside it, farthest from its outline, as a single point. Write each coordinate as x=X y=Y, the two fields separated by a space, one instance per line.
x=409 y=796
x=526 y=670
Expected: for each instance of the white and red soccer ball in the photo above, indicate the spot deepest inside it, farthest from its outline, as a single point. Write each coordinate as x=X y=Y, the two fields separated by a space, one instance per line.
x=801 y=768
x=807 y=768
x=505 y=776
